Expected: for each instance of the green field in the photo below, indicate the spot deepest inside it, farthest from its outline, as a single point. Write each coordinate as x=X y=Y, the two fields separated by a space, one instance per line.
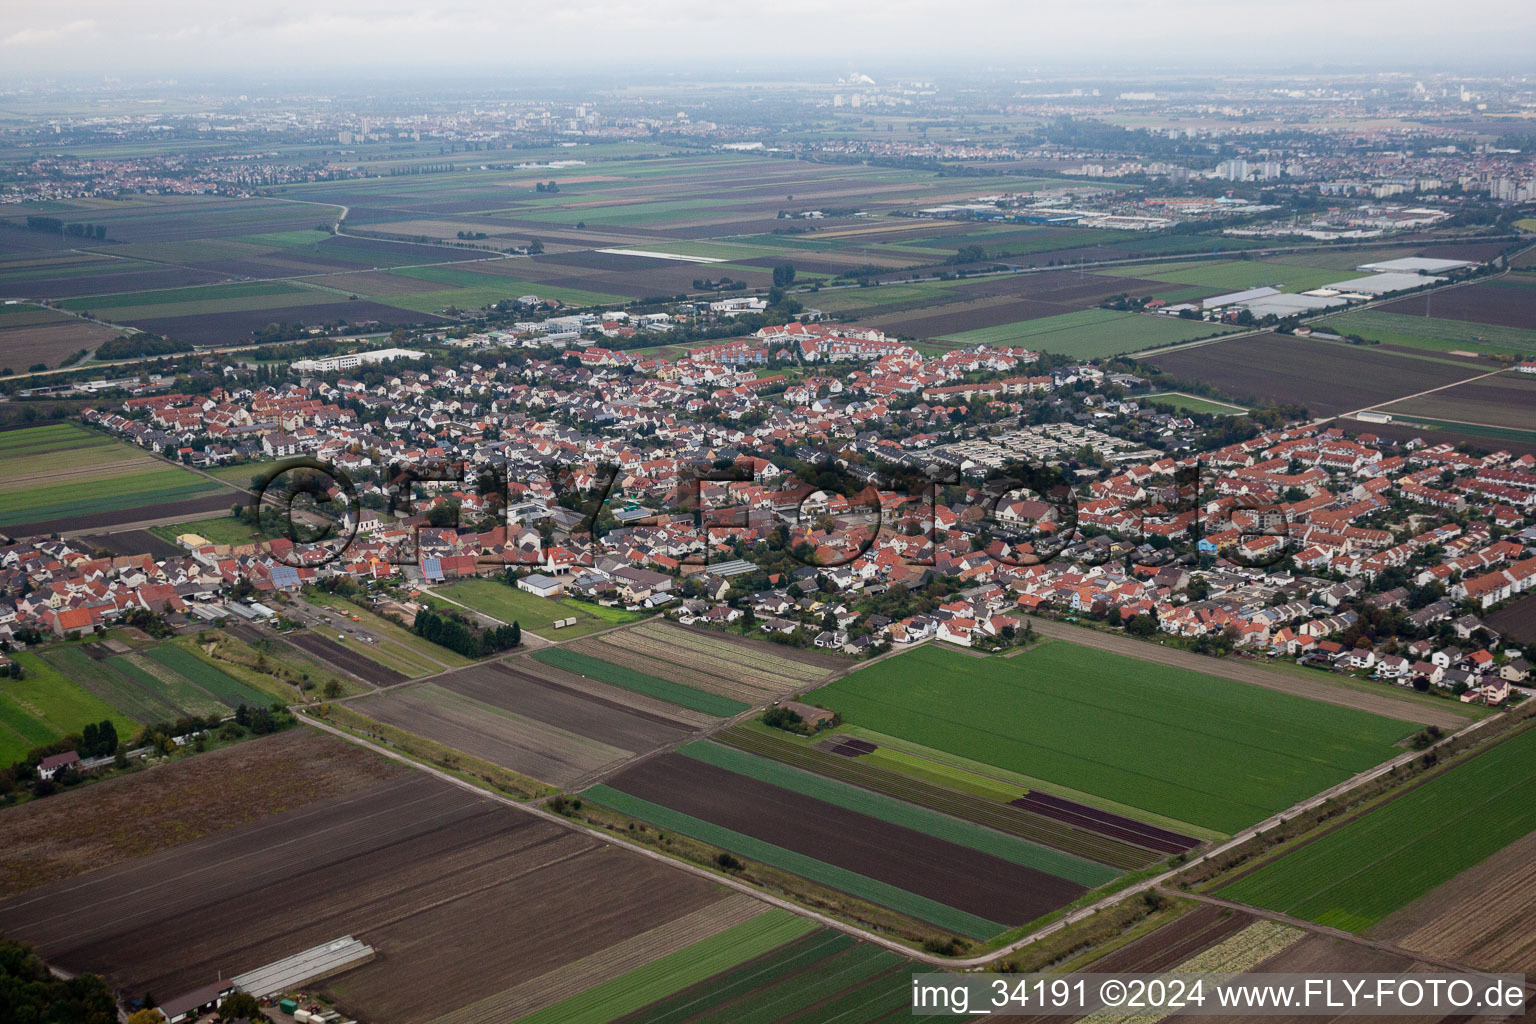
x=45 y=706
x=1432 y=333
x=1235 y=275
x=220 y=529
x=899 y=812
x=65 y=501
x=1359 y=873
x=660 y=978
x=533 y=613
x=217 y=682
x=471 y=290
x=640 y=682
x=111 y=686
x=170 y=686
x=1190 y=747
x=1091 y=333
x=850 y=882
x=1194 y=403
x=64 y=470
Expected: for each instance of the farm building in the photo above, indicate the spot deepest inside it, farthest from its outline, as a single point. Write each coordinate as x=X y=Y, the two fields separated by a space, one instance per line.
x=194 y=1004
x=52 y=765
x=541 y=586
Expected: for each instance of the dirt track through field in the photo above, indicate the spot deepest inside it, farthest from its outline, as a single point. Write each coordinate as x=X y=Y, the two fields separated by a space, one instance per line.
x=1256 y=675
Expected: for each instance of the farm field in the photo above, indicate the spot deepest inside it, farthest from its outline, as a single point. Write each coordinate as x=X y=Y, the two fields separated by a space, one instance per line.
x=1149 y=738
x=898 y=812
x=1091 y=333
x=30 y=335
x=988 y=804
x=1480 y=917
x=820 y=973
x=1194 y=403
x=64 y=476
x=741 y=670
x=529 y=720
x=1434 y=334
x=86 y=665
x=47 y=705
x=225 y=529
x=209 y=270
x=533 y=613
x=185 y=800
x=1360 y=872
x=640 y=682
x=935 y=308
x=1508 y=301
x=1329 y=378
x=1505 y=402
x=852 y=853
x=1517 y=620
x=1218 y=276
x=407 y=865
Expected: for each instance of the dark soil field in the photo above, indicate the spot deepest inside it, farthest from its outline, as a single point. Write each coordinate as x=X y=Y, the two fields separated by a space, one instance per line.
x=345 y=658
x=1508 y=400
x=954 y=875
x=24 y=346
x=520 y=721
x=1516 y=621
x=520 y=690
x=110 y=281
x=104 y=521
x=134 y=542
x=994 y=301
x=1487 y=303
x=150 y=810
x=212 y=330
x=1327 y=377
x=1117 y=826
x=412 y=866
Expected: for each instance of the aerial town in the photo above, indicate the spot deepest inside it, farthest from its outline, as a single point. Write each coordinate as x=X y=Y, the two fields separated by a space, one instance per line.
x=672 y=550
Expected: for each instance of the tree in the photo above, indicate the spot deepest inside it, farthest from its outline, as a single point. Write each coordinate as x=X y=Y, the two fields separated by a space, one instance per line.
x=147 y=1017
x=517 y=633
x=783 y=275
x=242 y=1004
x=535 y=246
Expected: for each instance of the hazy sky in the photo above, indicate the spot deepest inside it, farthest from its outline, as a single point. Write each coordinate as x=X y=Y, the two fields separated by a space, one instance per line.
x=419 y=38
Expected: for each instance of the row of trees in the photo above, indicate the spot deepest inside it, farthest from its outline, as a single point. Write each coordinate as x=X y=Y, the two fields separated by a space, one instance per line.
x=54 y=225
x=464 y=638
x=134 y=346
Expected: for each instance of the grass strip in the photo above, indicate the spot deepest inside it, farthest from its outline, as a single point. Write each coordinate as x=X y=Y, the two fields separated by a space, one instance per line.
x=639 y=682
